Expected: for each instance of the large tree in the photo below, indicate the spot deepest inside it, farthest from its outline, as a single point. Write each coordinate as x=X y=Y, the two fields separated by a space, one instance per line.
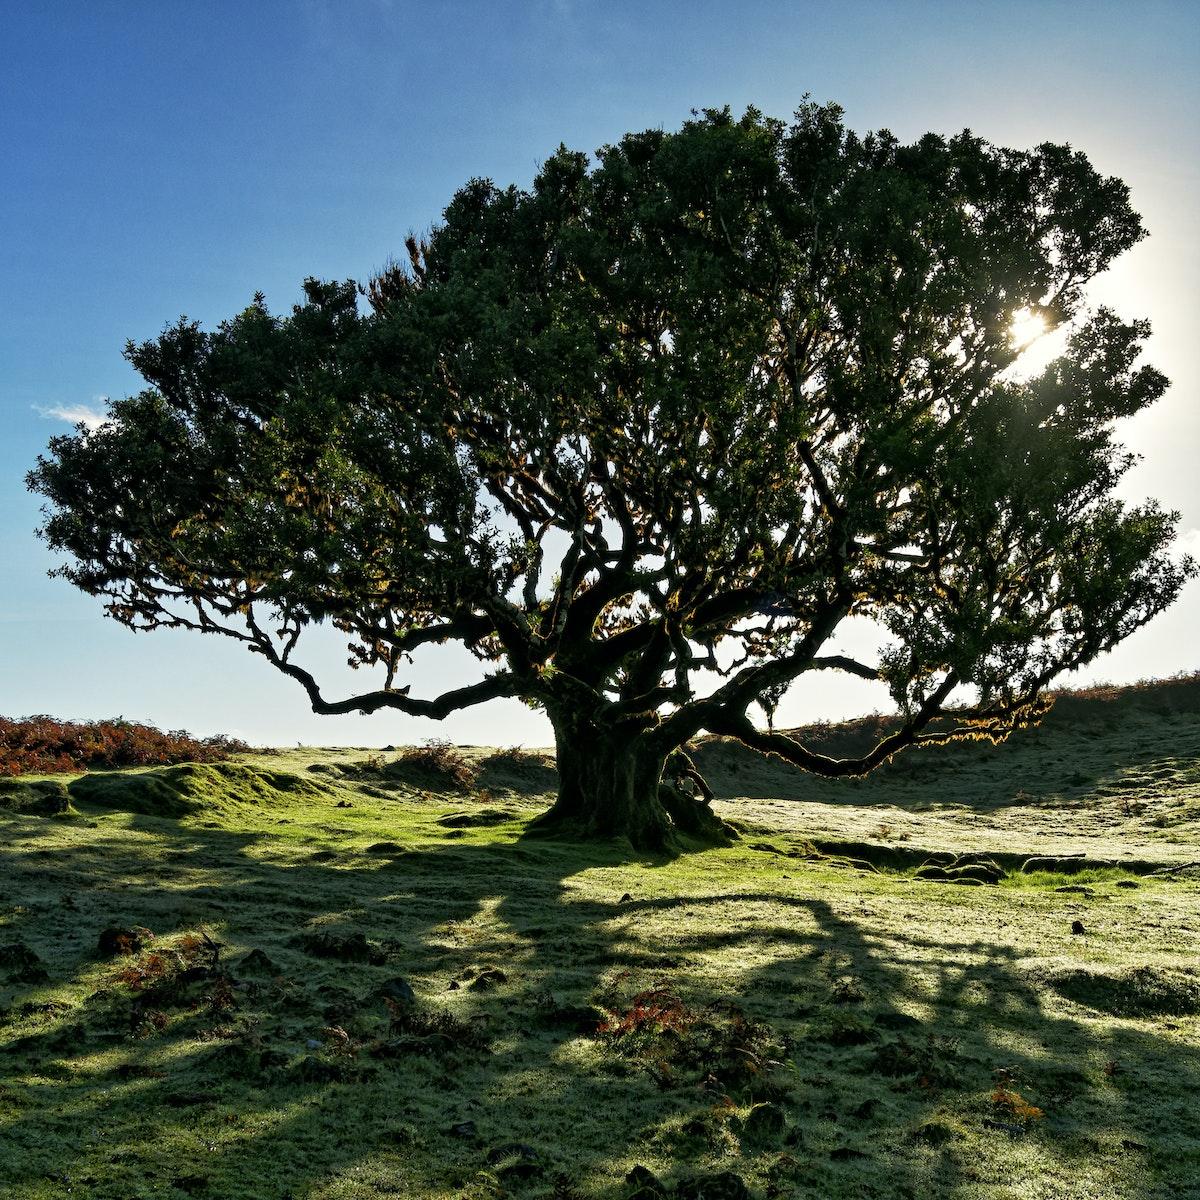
x=643 y=436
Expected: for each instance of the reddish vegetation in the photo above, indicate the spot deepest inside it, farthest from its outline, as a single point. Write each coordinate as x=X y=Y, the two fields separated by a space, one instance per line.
x=42 y=745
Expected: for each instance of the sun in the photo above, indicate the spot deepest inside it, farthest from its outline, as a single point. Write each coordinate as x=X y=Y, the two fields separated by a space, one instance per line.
x=1026 y=327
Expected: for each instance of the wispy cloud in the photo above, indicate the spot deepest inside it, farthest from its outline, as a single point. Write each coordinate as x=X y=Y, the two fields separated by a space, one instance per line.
x=75 y=414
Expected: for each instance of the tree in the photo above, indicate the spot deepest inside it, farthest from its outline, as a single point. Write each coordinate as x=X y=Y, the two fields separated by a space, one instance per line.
x=643 y=436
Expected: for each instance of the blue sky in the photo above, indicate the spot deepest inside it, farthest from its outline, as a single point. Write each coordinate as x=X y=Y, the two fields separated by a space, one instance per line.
x=161 y=159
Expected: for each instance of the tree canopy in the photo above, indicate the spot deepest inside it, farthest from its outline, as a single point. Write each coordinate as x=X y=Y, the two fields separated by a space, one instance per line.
x=644 y=435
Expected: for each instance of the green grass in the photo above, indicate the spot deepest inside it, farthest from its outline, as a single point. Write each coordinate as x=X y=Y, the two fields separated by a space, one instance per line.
x=799 y=1010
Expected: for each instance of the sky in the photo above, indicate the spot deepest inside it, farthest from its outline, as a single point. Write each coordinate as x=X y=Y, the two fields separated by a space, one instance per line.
x=167 y=159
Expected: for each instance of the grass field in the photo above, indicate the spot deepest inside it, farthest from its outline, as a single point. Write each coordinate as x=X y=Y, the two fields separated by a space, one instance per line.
x=326 y=974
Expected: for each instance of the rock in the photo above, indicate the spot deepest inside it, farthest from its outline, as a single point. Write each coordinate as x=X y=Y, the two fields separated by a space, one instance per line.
x=397 y=990
x=625 y=899
x=482 y=979
x=982 y=872
x=846 y=1153
x=764 y=1123
x=22 y=964
x=256 y=962
x=345 y=947
x=1077 y=928
x=723 y=1185
x=115 y=940
x=515 y=1160
x=897 y=1021
x=934 y=1133
x=643 y=1184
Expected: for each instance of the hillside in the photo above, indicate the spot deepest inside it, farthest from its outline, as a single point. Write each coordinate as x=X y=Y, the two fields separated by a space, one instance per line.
x=334 y=974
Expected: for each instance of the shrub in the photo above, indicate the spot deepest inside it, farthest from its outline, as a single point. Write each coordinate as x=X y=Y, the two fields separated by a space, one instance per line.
x=43 y=745
x=442 y=761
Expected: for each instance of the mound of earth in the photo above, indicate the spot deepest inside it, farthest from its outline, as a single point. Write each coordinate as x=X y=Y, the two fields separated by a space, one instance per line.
x=192 y=789
x=39 y=798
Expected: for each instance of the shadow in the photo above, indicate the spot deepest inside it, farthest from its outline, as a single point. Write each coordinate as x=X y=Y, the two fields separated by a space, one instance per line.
x=892 y=1040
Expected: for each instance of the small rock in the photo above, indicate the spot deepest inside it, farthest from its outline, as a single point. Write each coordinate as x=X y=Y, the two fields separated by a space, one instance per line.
x=933 y=1133
x=256 y=962
x=643 y=1184
x=398 y=990
x=1003 y=1126
x=486 y=978
x=114 y=940
x=846 y=1153
x=23 y=964
x=345 y=947
x=1077 y=928
x=625 y=899
x=499 y=1153
x=763 y=1123
x=723 y=1185
x=897 y=1021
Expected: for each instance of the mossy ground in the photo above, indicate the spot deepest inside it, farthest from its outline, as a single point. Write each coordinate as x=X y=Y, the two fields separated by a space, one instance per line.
x=885 y=1022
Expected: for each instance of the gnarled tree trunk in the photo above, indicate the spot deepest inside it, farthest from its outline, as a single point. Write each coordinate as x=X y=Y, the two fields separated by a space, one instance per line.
x=611 y=786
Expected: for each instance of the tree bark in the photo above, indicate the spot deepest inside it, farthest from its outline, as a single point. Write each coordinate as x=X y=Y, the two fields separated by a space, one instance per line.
x=611 y=787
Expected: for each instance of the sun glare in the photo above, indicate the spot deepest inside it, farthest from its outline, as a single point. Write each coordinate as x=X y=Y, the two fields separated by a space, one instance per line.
x=1027 y=326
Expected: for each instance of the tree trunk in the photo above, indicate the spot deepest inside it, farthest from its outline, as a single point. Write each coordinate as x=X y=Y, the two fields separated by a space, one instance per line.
x=611 y=786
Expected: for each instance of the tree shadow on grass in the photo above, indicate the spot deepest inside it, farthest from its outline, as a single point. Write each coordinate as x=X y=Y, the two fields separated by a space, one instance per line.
x=895 y=1038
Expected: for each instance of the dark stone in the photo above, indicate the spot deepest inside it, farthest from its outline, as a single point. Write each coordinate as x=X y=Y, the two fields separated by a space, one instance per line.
x=764 y=1123
x=723 y=1185
x=498 y=1154
x=846 y=1153
x=345 y=947
x=397 y=990
x=644 y=1184
x=257 y=962
x=23 y=964
x=114 y=941
x=897 y=1021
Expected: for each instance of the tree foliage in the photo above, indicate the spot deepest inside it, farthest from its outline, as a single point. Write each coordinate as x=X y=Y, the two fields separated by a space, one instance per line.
x=669 y=416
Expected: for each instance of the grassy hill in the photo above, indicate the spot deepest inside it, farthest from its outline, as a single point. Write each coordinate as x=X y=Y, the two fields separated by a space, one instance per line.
x=344 y=974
